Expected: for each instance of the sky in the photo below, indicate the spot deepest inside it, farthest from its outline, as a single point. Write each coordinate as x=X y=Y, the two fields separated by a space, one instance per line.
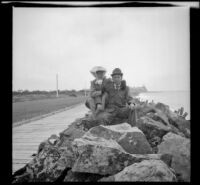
x=150 y=46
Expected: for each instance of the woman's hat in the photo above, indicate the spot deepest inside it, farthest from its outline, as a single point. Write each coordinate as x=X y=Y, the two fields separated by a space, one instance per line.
x=97 y=68
x=117 y=71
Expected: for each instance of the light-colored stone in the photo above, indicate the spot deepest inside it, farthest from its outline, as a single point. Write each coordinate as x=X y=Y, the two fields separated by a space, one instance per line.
x=131 y=139
x=147 y=170
x=179 y=148
x=101 y=156
x=153 y=130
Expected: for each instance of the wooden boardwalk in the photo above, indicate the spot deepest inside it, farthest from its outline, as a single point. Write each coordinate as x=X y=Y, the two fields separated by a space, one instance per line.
x=27 y=137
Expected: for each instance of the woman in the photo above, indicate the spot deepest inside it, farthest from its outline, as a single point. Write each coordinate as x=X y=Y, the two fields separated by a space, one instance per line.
x=96 y=99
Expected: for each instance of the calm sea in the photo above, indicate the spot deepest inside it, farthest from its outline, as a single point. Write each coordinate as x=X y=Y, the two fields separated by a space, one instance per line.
x=175 y=99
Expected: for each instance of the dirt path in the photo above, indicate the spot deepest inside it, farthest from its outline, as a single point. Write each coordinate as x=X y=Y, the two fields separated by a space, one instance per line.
x=27 y=137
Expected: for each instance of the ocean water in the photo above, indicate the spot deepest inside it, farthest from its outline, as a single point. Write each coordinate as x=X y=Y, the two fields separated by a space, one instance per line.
x=175 y=99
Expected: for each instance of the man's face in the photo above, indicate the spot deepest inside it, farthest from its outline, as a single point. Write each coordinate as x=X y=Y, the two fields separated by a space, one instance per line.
x=100 y=74
x=117 y=79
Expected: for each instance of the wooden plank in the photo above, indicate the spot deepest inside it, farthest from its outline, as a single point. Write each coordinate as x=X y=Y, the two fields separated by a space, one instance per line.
x=28 y=138
x=28 y=149
x=27 y=141
x=17 y=166
x=27 y=155
x=21 y=160
x=22 y=153
x=18 y=159
x=32 y=137
x=25 y=144
x=25 y=147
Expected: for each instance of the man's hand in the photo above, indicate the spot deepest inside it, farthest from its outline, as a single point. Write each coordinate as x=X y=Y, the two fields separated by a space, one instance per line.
x=100 y=107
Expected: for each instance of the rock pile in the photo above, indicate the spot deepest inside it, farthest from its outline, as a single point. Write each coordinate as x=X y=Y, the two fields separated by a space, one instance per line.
x=158 y=149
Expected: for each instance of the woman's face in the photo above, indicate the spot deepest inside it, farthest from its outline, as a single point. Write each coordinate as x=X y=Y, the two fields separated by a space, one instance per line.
x=117 y=79
x=100 y=74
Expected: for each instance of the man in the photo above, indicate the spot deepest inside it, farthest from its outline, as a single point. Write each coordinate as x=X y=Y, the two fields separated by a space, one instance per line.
x=119 y=103
x=96 y=99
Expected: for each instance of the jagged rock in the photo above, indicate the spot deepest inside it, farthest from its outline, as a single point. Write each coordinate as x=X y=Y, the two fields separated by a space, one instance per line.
x=183 y=126
x=72 y=132
x=166 y=158
x=179 y=148
x=158 y=115
x=131 y=139
x=175 y=119
x=153 y=130
x=175 y=130
x=101 y=156
x=81 y=177
x=147 y=170
x=25 y=177
x=49 y=164
x=165 y=109
x=89 y=122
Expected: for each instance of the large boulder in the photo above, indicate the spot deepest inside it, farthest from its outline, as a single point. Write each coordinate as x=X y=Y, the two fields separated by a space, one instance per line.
x=153 y=130
x=101 y=156
x=179 y=148
x=183 y=126
x=50 y=163
x=175 y=119
x=147 y=170
x=131 y=139
x=75 y=130
x=81 y=177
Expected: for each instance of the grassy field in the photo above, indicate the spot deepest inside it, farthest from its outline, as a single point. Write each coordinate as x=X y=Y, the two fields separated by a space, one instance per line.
x=24 y=110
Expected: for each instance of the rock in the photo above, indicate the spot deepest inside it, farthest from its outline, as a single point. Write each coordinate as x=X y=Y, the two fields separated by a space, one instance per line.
x=183 y=126
x=165 y=109
x=89 y=122
x=146 y=124
x=81 y=177
x=161 y=117
x=176 y=119
x=50 y=163
x=175 y=130
x=179 y=148
x=53 y=139
x=131 y=139
x=101 y=156
x=153 y=130
x=22 y=178
x=167 y=159
x=161 y=106
x=72 y=132
x=147 y=170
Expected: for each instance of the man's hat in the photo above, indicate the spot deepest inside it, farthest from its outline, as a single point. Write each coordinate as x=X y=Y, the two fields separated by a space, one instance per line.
x=117 y=71
x=97 y=68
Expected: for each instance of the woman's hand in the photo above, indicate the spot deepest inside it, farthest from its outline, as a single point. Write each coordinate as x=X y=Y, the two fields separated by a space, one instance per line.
x=97 y=93
x=132 y=106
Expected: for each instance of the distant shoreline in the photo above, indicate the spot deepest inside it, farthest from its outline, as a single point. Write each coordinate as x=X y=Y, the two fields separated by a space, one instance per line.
x=175 y=99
